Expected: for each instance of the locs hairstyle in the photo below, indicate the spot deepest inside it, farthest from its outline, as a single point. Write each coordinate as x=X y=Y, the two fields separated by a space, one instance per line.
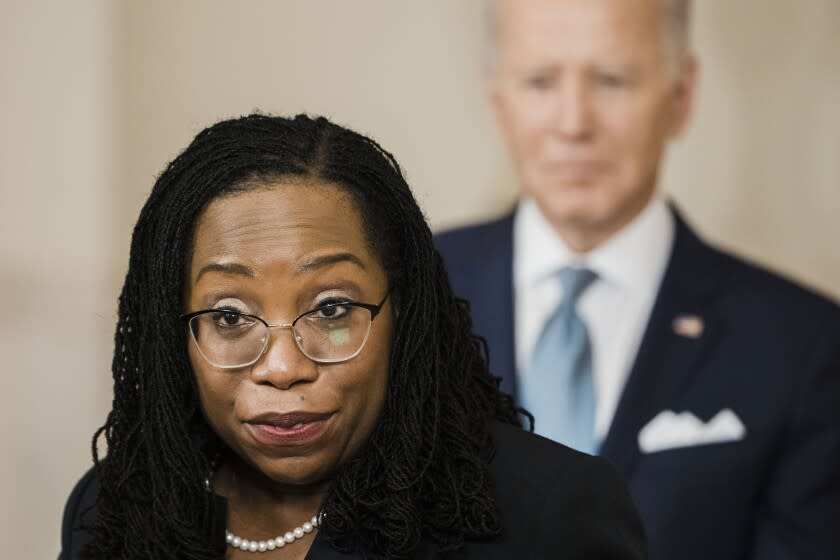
x=424 y=472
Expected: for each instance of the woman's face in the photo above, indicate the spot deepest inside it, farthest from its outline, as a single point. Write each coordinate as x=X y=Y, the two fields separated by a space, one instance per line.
x=277 y=252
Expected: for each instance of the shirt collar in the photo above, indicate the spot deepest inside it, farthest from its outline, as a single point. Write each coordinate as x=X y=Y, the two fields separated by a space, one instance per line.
x=634 y=259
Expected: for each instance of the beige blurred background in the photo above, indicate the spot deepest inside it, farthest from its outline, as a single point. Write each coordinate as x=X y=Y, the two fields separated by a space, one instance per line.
x=97 y=95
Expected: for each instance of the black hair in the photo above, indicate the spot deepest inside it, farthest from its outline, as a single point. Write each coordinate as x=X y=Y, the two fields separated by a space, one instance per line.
x=424 y=473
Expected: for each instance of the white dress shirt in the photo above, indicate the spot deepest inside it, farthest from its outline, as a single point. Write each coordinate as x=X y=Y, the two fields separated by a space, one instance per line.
x=615 y=308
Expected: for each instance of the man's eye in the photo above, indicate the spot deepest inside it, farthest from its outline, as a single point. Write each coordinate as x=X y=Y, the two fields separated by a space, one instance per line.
x=611 y=80
x=539 y=82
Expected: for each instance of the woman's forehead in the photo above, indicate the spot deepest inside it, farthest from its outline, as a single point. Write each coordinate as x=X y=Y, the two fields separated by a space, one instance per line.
x=280 y=222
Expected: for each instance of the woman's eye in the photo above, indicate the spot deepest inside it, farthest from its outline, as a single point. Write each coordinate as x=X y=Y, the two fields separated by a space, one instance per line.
x=332 y=308
x=332 y=311
x=229 y=319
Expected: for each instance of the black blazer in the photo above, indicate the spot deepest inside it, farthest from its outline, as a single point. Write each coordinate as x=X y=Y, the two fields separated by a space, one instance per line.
x=769 y=350
x=555 y=503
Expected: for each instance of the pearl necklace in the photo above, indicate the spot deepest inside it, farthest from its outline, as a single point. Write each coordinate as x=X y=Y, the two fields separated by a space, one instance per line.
x=270 y=544
x=277 y=542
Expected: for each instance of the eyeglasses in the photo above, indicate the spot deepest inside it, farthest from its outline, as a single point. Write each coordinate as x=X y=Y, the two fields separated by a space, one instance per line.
x=330 y=333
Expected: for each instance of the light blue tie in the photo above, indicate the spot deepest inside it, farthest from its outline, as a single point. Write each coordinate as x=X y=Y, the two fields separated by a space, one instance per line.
x=557 y=388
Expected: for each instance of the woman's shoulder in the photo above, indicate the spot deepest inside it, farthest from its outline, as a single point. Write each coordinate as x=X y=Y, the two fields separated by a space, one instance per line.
x=554 y=494
x=79 y=512
x=545 y=459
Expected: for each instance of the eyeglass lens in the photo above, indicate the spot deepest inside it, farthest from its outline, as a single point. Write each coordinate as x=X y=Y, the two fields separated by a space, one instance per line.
x=230 y=339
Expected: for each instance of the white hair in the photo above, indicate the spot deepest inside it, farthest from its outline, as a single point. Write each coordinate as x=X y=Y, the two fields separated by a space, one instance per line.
x=677 y=28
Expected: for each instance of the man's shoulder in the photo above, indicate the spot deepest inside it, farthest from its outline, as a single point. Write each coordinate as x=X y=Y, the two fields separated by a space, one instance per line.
x=760 y=291
x=466 y=239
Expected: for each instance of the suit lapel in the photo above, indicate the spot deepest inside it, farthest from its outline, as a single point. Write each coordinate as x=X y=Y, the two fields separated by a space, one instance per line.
x=492 y=300
x=682 y=331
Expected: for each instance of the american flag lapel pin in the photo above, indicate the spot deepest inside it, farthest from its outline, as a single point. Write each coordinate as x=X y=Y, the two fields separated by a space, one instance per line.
x=689 y=326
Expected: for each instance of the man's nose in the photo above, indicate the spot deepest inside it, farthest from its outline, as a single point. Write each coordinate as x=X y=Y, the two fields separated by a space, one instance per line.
x=573 y=118
x=283 y=364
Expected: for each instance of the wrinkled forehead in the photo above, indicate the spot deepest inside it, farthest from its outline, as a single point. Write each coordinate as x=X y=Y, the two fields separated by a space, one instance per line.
x=523 y=28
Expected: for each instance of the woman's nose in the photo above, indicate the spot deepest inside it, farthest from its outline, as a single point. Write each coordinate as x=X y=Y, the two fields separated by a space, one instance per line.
x=283 y=364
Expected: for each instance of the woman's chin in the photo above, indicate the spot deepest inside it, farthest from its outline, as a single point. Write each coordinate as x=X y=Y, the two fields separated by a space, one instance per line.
x=295 y=473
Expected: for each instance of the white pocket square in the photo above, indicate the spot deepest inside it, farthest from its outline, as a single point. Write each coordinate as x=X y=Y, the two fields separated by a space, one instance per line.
x=669 y=430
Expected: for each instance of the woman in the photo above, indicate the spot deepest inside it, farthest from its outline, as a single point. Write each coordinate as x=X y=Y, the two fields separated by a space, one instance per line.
x=294 y=377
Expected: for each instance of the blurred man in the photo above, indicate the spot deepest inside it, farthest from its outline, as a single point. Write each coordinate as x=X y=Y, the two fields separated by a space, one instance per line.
x=712 y=384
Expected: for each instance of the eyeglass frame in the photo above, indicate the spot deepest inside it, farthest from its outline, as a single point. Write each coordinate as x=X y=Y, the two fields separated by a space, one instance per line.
x=371 y=308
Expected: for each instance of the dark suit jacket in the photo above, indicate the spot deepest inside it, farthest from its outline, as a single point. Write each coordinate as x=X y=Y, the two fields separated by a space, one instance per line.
x=770 y=351
x=562 y=504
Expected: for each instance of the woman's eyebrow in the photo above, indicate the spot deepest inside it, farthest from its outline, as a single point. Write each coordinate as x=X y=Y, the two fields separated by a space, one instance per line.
x=226 y=268
x=313 y=263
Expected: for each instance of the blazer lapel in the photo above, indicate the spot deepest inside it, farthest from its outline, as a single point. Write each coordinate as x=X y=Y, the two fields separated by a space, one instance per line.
x=682 y=331
x=321 y=550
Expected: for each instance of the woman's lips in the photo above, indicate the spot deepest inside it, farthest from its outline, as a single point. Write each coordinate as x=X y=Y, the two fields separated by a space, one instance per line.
x=293 y=428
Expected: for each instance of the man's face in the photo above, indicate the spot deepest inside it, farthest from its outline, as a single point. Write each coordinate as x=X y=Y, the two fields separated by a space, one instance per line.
x=587 y=98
